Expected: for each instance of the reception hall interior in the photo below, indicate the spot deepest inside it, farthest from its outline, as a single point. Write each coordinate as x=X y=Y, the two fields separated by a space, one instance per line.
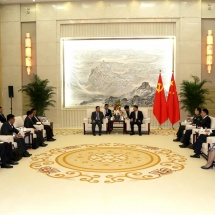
x=69 y=65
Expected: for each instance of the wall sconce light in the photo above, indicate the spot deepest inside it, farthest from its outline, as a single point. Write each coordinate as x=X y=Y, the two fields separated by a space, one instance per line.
x=209 y=60
x=28 y=53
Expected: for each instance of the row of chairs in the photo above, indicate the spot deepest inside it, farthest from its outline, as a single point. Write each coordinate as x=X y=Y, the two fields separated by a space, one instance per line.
x=196 y=132
x=27 y=133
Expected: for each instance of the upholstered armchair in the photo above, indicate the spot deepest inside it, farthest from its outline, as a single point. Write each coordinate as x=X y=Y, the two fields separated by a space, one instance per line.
x=197 y=131
x=87 y=123
x=37 y=126
x=145 y=127
x=7 y=138
x=205 y=146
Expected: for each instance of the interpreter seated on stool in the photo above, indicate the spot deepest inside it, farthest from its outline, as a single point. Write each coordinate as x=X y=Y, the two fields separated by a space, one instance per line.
x=107 y=111
x=136 y=117
x=197 y=146
x=97 y=119
x=204 y=123
x=126 y=113
x=8 y=129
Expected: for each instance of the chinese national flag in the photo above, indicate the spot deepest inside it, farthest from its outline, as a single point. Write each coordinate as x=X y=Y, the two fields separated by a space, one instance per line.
x=160 y=105
x=172 y=103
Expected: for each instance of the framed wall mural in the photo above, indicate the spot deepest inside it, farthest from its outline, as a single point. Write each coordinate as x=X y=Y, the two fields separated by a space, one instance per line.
x=103 y=70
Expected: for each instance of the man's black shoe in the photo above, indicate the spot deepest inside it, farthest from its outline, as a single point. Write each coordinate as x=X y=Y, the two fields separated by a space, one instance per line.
x=13 y=162
x=131 y=133
x=140 y=134
x=182 y=146
x=100 y=134
x=25 y=155
x=195 y=156
x=7 y=166
x=50 y=140
x=94 y=134
x=43 y=144
x=176 y=140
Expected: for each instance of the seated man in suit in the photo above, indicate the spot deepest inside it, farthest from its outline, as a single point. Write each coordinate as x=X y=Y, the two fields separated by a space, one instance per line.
x=204 y=123
x=126 y=113
x=97 y=119
x=195 y=121
x=136 y=117
x=197 y=146
x=2 y=117
x=5 y=155
x=28 y=123
x=107 y=111
x=48 y=128
x=8 y=129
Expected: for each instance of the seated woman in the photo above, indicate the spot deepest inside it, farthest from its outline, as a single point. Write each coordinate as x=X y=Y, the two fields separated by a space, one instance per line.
x=195 y=121
x=211 y=157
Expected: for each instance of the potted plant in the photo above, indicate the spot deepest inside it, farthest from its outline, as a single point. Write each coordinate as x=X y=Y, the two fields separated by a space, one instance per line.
x=193 y=94
x=40 y=94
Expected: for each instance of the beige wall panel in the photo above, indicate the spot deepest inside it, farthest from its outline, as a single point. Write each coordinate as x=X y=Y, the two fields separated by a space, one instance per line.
x=28 y=12
x=10 y=13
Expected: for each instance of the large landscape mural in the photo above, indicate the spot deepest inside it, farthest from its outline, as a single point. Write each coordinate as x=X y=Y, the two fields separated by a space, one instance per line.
x=98 y=71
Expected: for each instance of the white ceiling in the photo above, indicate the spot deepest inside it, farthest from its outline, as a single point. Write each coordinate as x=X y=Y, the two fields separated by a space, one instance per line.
x=29 y=1
x=34 y=1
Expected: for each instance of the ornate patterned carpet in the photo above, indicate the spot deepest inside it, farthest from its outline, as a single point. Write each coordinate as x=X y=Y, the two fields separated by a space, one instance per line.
x=164 y=132
x=108 y=162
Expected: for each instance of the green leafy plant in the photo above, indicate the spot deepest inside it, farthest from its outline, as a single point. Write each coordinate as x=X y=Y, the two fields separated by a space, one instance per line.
x=39 y=93
x=193 y=94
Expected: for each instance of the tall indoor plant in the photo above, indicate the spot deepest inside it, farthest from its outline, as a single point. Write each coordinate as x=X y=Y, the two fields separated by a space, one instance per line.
x=39 y=93
x=193 y=94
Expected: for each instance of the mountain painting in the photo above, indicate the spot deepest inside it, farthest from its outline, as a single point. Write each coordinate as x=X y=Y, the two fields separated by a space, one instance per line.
x=99 y=71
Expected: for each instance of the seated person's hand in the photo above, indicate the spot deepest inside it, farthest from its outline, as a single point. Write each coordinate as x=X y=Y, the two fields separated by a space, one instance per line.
x=207 y=131
x=18 y=135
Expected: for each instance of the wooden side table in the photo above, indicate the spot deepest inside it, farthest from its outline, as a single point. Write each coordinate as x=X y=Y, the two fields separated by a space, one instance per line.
x=112 y=122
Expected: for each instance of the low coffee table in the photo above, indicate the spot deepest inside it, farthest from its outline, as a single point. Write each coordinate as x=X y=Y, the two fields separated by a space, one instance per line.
x=116 y=122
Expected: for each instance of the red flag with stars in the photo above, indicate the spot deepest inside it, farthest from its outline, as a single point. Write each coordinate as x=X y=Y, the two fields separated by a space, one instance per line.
x=160 y=105
x=172 y=103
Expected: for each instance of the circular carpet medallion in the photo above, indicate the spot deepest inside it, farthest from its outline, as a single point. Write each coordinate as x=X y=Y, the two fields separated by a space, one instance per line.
x=108 y=162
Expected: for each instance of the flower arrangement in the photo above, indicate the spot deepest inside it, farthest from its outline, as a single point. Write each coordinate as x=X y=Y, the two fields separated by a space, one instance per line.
x=117 y=112
x=117 y=109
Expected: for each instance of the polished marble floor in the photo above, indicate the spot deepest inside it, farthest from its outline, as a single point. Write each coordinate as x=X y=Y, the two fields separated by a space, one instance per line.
x=28 y=189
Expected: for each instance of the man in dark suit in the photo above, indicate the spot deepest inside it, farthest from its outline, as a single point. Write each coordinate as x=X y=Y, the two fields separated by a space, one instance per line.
x=107 y=111
x=48 y=129
x=8 y=129
x=28 y=123
x=136 y=117
x=5 y=154
x=126 y=114
x=204 y=123
x=97 y=119
x=197 y=146
x=2 y=117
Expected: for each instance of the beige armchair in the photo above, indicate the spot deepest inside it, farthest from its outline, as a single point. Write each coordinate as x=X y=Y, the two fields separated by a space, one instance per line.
x=87 y=123
x=7 y=138
x=205 y=146
x=145 y=127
